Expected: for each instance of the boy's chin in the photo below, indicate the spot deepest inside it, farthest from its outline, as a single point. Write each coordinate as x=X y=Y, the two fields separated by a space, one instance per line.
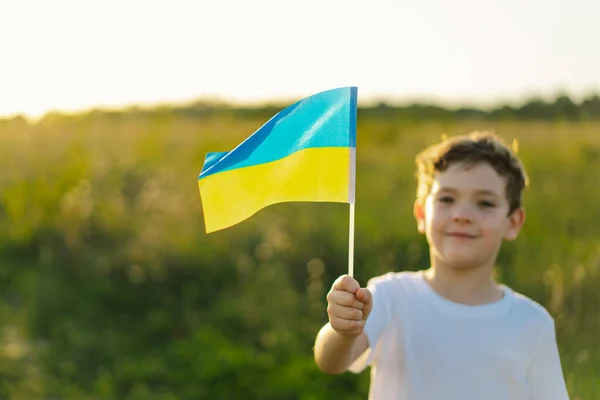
x=464 y=266
x=463 y=263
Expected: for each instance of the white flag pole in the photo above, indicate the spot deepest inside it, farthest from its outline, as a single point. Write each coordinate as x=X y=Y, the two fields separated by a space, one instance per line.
x=352 y=192
x=351 y=243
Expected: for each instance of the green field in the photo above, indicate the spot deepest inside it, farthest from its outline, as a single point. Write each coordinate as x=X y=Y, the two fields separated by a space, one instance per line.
x=111 y=288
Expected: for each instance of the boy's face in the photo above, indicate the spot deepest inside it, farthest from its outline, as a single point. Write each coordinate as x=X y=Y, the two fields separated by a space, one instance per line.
x=465 y=217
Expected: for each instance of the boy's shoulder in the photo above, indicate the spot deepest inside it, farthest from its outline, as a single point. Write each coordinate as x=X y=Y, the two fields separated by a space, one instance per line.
x=395 y=284
x=530 y=310
x=394 y=278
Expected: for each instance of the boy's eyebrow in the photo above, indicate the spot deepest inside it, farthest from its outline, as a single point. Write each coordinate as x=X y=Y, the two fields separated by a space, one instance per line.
x=481 y=191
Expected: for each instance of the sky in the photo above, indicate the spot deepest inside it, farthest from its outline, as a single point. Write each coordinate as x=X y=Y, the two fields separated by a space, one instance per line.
x=67 y=55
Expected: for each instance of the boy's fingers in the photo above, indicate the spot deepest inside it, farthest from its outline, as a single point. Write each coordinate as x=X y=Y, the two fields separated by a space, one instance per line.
x=346 y=283
x=348 y=313
x=344 y=298
x=347 y=326
x=365 y=296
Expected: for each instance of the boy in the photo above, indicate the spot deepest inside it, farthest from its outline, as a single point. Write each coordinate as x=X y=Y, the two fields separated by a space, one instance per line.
x=450 y=332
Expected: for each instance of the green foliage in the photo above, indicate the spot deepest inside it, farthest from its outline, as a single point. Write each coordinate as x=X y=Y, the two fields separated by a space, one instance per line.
x=112 y=290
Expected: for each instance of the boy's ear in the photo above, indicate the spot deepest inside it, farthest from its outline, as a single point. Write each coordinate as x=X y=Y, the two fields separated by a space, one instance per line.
x=515 y=223
x=419 y=212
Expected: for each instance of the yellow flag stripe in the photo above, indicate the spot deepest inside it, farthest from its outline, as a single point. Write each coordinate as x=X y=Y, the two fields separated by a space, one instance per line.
x=315 y=174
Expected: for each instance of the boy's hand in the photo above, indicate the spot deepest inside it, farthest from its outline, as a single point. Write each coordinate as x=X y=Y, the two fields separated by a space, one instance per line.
x=348 y=306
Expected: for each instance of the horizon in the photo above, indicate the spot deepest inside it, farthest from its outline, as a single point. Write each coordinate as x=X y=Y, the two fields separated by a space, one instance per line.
x=283 y=102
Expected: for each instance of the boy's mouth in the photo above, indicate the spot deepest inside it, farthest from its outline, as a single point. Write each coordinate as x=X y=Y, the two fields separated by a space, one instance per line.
x=461 y=235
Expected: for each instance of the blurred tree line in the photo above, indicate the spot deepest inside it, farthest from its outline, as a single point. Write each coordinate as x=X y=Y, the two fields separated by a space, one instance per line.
x=111 y=289
x=562 y=108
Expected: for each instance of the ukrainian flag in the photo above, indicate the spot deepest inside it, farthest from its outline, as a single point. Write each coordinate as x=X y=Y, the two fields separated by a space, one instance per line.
x=306 y=152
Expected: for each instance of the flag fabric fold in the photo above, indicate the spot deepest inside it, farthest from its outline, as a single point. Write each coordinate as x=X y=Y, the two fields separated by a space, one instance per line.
x=305 y=153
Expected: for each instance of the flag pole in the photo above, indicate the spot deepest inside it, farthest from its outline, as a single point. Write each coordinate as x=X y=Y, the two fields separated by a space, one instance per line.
x=351 y=243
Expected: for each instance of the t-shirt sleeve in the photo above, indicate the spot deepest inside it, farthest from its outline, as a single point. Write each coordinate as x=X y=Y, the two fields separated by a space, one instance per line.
x=375 y=325
x=546 y=380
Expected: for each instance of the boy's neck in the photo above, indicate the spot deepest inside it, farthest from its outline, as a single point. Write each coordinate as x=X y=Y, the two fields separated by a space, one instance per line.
x=473 y=286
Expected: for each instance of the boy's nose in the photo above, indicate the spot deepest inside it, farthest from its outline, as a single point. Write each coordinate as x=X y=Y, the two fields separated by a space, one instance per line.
x=462 y=213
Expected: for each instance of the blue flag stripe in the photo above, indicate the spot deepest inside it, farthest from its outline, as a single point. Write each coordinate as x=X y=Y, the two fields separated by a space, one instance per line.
x=326 y=119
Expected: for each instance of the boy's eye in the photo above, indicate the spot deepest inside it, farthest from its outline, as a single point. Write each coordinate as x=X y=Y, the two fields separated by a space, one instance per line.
x=485 y=203
x=445 y=199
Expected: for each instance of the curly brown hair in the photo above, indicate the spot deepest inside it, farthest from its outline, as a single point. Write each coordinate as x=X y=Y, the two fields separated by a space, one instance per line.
x=474 y=148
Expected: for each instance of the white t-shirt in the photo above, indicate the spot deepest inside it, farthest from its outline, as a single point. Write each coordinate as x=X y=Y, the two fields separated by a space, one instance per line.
x=425 y=347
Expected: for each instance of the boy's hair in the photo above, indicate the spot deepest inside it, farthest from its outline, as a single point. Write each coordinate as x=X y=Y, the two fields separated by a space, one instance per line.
x=472 y=149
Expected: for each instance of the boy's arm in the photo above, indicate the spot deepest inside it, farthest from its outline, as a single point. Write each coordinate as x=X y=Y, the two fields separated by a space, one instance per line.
x=342 y=339
x=334 y=353
x=546 y=379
